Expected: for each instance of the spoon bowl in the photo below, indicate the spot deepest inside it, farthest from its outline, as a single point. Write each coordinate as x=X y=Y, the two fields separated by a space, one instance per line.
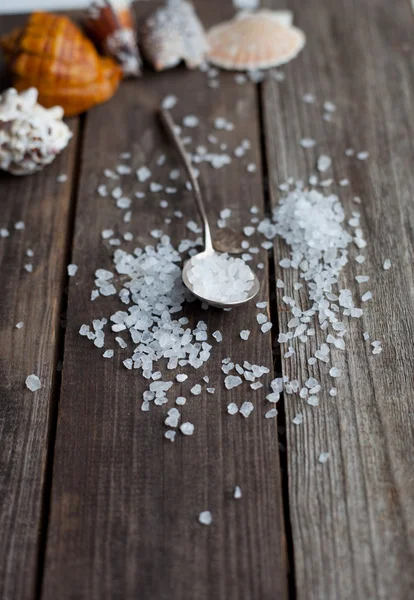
x=252 y=292
x=171 y=129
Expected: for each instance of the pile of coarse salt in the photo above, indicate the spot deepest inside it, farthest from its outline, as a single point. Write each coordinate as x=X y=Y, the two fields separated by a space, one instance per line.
x=220 y=278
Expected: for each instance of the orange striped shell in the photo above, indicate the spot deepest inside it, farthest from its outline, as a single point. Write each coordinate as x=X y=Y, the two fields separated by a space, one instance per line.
x=52 y=54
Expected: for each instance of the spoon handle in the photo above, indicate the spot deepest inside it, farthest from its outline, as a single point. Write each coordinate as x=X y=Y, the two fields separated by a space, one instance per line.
x=169 y=125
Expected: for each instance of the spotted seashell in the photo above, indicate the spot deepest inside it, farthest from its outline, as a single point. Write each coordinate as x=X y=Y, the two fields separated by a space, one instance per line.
x=31 y=136
x=172 y=34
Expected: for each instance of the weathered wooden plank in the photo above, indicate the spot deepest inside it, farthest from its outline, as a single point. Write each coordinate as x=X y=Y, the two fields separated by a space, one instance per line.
x=125 y=501
x=352 y=518
x=34 y=298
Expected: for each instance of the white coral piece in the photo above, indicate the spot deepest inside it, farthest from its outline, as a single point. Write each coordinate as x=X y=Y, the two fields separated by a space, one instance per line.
x=31 y=136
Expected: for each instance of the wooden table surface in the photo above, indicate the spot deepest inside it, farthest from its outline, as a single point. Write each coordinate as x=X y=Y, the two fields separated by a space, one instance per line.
x=94 y=503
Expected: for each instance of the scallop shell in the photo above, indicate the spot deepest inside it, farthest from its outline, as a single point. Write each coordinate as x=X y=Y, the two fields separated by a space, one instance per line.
x=172 y=34
x=259 y=40
x=30 y=136
x=111 y=24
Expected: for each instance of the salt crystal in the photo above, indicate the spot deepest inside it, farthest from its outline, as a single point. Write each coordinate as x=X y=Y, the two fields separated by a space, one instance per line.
x=28 y=268
x=261 y=318
x=217 y=336
x=307 y=142
x=362 y=155
x=298 y=420
x=169 y=102
x=313 y=401
x=333 y=392
x=170 y=435
x=232 y=408
x=329 y=106
x=19 y=325
x=266 y=327
x=280 y=284
x=248 y=231
x=181 y=377
x=246 y=408
x=33 y=383
x=244 y=334
x=271 y=414
x=155 y=187
x=72 y=270
x=180 y=400
x=196 y=390
x=367 y=296
x=335 y=372
x=205 y=517
x=362 y=278
x=190 y=121
x=251 y=168
x=387 y=264
x=324 y=163
x=187 y=428
x=308 y=98
x=143 y=173
x=19 y=225
x=232 y=381
x=108 y=354
x=323 y=457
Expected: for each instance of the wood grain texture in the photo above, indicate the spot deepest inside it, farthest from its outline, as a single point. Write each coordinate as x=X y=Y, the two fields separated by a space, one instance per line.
x=34 y=298
x=352 y=518
x=125 y=501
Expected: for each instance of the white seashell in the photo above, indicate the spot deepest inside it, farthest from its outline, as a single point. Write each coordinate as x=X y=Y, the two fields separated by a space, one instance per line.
x=259 y=40
x=30 y=135
x=172 y=34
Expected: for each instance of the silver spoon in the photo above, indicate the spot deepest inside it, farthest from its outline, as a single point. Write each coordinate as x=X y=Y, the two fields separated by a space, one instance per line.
x=169 y=126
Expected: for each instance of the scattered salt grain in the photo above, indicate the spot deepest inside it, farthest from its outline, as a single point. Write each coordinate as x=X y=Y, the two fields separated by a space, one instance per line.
x=72 y=270
x=362 y=155
x=333 y=392
x=143 y=173
x=196 y=390
x=187 y=428
x=387 y=264
x=298 y=420
x=335 y=372
x=19 y=225
x=232 y=408
x=362 y=278
x=367 y=296
x=307 y=142
x=266 y=327
x=19 y=325
x=329 y=106
x=308 y=98
x=324 y=163
x=180 y=400
x=205 y=517
x=108 y=354
x=28 y=268
x=323 y=457
x=271 y=414
x=33 y=383
x=244 y=334
x=170 y=435
x=190 y=121
x=246 y=408
x=169 y=102
x=232 y=381
x=61 y=178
